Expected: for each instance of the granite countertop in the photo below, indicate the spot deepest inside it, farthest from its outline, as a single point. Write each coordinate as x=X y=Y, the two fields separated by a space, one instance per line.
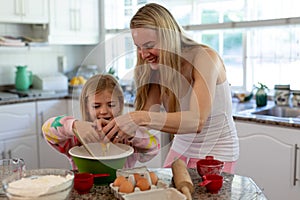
x=234 y=187
x=243 y=112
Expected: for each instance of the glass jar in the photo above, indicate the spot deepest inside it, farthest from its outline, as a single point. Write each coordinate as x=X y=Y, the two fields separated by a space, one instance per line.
x=282 y=95
x=296 y=98
x=87 y=71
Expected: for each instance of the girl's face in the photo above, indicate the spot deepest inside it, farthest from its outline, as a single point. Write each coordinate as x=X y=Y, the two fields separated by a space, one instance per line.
x=146 y=41
x=103 y=105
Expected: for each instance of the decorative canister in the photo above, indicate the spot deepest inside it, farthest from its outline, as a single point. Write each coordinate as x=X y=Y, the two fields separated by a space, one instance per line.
x=23 y=78
x=282 y=95
x=296 y=98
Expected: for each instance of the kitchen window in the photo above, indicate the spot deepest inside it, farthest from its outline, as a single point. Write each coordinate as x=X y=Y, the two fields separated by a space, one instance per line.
x=259 y=41
x=127 y=2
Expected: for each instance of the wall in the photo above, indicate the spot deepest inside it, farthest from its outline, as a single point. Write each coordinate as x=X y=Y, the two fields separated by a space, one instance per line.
x=40 y=60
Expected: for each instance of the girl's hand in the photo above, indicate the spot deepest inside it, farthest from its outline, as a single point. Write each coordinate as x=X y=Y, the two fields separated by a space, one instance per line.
x=120 y=128
x=100 y=123
x=87 y=131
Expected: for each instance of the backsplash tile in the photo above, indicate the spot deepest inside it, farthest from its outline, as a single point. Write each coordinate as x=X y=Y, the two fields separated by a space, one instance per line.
x=40 y=60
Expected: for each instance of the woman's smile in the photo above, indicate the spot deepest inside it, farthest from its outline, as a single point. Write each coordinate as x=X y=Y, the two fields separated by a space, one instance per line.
x=146 y=42
x=153 y=61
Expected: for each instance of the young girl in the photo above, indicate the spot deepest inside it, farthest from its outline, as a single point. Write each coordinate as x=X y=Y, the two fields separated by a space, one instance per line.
x=101 y=100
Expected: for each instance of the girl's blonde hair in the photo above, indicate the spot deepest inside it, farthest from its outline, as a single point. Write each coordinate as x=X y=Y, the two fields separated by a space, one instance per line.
x=97 y=84
x=171 y=39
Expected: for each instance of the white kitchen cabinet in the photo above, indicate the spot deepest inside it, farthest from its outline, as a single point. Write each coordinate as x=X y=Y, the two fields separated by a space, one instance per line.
x=48 y=156
x=270 y=156
x=18 y=133
x=23 y=147
x=74 y=22
x=24 y=11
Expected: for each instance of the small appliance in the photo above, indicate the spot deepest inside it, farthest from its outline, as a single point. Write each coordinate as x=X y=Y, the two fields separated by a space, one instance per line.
x=56 y=82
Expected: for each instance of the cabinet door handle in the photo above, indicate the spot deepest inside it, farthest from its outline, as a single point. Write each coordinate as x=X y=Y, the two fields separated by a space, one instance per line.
x=78 y=20
x=9 y=154
x=42 y=122
x=17 y=7
x=23 y=8
x=72 y=19
x=295 y=165
x=42 y=118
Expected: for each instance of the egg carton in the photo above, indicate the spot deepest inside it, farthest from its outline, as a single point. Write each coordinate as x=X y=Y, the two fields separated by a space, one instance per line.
x=129 y=174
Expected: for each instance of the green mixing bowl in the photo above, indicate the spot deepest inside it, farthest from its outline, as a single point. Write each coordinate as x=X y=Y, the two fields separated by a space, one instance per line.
x=101 y=163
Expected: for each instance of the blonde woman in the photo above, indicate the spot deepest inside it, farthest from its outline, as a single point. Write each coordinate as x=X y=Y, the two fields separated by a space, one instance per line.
x=189 y=81
x=101 y=100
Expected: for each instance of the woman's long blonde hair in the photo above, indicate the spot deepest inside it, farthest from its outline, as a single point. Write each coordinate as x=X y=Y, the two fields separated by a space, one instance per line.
x=97 y=84
x=171 y=39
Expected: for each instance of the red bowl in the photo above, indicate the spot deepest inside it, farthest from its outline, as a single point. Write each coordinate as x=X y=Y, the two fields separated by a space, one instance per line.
x=83 y=182
x=209 y=166
x=212 y=182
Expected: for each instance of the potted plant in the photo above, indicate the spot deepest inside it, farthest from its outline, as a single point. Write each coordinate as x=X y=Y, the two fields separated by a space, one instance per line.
x=261 y=96
x=112 y=71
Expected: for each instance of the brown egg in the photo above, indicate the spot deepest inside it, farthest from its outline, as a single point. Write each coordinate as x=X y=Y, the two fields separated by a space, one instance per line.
x=126 y=187
x=153 y=177
x=137 y=176
x=143 y=184
x=119 y=180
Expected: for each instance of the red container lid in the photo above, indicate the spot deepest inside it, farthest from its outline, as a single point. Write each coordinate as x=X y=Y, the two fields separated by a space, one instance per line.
x=209 y=161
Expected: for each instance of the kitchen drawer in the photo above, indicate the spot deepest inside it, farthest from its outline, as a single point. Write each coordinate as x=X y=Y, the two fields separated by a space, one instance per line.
x=17 y=120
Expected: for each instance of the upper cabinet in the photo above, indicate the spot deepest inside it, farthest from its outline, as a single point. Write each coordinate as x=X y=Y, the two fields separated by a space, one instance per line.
x=24 y=11
x=74 y=22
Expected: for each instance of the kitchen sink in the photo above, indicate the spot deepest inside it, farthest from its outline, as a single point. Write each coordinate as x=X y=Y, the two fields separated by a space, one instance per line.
x=280 y=111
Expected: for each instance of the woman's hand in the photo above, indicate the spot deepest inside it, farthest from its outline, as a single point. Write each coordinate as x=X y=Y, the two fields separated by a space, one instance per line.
x=87 y=131
x=120 y=128
x=112 y=137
